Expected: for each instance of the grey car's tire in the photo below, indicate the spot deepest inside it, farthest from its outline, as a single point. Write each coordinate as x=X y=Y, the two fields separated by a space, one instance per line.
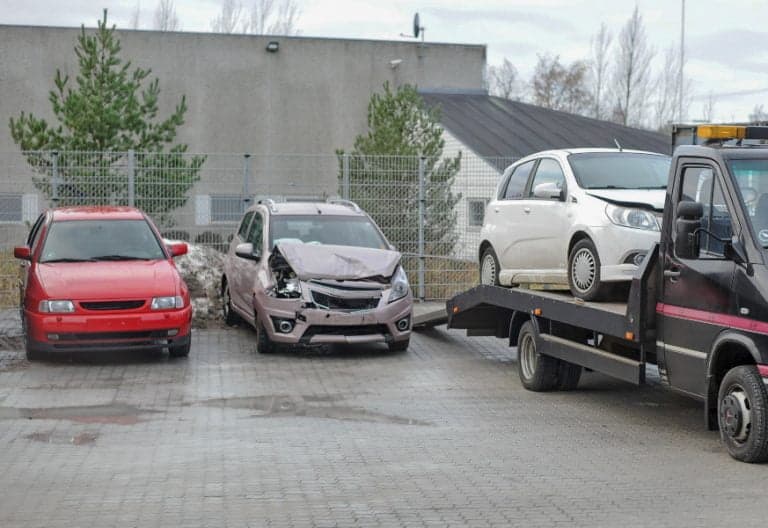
x=584 y=272
x=180 y=350
x=537 y=372
x=742 y=405
x=399 y=346
x=264 y=344
x=489 y=268
x=230 y=317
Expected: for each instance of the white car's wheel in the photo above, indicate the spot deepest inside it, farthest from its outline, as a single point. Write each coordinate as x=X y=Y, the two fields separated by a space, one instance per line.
x=489 y=268
x=584 y=271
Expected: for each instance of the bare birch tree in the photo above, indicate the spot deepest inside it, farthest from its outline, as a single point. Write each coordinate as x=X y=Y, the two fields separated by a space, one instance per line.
x=632 y=74
x=165 y=16
x=503 y=80
x=135 y=20
x=559 y=87
x=758 y=114
x=273 y=17
x=228 y=19
x=708 y=110
x=601 y=44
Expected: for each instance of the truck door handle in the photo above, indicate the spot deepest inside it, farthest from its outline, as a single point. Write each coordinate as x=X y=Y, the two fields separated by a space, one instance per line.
x=527 y=210
x=672 y=273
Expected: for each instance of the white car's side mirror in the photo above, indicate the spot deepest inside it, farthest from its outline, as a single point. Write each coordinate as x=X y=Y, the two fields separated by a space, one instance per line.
x=548 y=191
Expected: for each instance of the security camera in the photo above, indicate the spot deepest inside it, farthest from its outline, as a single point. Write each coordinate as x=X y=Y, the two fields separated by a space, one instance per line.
x=395 y=63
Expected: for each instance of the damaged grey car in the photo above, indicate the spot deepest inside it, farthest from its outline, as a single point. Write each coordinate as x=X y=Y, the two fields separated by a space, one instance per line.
x=307 y=273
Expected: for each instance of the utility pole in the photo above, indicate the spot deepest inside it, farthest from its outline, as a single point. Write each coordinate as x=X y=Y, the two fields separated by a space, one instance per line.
x=681 y=80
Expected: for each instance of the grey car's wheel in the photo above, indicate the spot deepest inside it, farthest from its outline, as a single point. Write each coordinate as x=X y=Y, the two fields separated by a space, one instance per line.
x=742 y=405
x=264 y=344
x=489 y=268
x=584 y=272
x=537 y=372
x=230 y=317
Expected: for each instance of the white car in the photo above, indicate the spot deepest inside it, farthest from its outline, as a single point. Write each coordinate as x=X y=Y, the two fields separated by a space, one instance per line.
x=584 y=218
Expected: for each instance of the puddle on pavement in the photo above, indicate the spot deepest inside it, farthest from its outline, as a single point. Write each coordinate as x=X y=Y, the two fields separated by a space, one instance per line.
x=300 y=406
x=95 y=414
x=54 y=437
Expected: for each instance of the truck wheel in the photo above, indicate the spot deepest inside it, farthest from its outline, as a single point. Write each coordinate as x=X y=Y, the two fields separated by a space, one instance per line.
x=264 y=344
x=230 y=316
x=537 y=372
x=489 y=268
x=568 y=376
x=742 y=405
x=584 y=272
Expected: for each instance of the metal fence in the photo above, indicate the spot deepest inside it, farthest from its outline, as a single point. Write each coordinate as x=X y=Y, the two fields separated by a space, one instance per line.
x=430 y=209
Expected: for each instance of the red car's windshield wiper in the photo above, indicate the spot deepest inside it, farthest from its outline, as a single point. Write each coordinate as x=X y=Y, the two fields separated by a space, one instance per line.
x=49 y=261
x=119 y=257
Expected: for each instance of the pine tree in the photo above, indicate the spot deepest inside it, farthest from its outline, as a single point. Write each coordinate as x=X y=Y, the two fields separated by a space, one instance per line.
x=384 y=171
x=109 y=111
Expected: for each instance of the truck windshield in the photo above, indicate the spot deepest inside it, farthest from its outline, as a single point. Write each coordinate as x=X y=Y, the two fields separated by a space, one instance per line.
x=620 y=170
x=356 y=231
x=751 y=176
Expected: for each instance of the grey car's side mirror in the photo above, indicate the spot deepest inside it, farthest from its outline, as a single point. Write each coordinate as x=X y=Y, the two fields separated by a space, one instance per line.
x=548 y=191
x=247 y=251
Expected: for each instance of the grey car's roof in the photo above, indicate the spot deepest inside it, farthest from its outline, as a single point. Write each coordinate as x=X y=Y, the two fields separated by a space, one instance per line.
x=495 y=127
x=312 y=208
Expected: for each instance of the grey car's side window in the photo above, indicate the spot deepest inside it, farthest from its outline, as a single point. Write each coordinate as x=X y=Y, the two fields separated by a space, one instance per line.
x=256 y=231
x=548 y=171
x=243 y=230
x=517 y=181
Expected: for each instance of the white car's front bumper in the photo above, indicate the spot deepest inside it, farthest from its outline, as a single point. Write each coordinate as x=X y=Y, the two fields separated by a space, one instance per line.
x=615 y=245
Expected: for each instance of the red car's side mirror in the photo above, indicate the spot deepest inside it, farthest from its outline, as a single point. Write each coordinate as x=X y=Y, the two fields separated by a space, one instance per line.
x=22 y=252
x=178 y=249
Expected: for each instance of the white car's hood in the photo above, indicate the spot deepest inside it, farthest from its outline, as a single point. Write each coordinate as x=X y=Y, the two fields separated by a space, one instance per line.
x=653 y=198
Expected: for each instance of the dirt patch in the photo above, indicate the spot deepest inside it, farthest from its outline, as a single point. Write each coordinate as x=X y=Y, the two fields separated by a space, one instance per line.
x=118 y=414
x=52 y=437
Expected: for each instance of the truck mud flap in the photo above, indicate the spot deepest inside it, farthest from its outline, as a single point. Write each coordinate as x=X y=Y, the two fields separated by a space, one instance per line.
x=592 y=358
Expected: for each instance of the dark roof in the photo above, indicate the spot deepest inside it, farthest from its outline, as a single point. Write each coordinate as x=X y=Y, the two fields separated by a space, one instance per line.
x=492 y=126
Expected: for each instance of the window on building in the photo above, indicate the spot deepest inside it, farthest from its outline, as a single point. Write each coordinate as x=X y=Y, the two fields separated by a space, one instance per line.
x=476 y=211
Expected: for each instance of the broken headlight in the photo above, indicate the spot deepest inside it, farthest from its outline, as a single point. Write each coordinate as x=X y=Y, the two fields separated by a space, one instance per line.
x=288 y=287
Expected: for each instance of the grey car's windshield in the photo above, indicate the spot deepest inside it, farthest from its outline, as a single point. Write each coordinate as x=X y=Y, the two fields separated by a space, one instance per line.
x=96 y=240
x=751 y=176
x=356 y=231
x=620 y=170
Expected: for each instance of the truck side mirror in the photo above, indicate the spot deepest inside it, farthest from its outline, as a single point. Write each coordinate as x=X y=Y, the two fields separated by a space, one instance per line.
x=688 y=221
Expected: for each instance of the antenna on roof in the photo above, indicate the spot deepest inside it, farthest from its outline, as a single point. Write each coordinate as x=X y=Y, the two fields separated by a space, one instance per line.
x=618 y=145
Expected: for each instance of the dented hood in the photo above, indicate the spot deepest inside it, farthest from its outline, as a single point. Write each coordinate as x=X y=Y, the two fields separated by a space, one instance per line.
x=642 y=198
x=310 y=261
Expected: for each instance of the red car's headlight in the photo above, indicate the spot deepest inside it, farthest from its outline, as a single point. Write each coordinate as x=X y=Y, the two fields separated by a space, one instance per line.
x=167 y=303
x=56 y=306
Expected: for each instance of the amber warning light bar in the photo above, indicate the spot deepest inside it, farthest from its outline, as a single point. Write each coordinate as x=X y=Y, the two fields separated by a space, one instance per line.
x=726 y=132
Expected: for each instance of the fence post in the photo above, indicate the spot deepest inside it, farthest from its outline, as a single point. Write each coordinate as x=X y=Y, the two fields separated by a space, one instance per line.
x=246 y=179
x=345 y=176
x=55 y=178
x=422 y=222
x=131 y=178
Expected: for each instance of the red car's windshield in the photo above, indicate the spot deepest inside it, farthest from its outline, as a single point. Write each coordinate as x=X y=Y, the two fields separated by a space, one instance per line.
x=94 y=240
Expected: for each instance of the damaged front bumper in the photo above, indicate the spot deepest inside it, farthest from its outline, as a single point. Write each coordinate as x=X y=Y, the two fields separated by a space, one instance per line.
x=304 y=321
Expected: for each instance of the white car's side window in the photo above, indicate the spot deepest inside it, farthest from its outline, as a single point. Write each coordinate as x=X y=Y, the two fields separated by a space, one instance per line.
x=548 y=172
x=517 y=181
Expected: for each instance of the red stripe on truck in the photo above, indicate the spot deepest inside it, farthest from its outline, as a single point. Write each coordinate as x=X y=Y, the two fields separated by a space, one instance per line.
x=719 y=319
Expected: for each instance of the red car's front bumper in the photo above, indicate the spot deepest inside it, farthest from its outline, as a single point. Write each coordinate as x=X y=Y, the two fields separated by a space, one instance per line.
x=48 y=332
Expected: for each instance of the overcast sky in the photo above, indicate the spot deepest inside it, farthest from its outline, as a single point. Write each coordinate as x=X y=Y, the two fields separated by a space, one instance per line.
x=725 y=39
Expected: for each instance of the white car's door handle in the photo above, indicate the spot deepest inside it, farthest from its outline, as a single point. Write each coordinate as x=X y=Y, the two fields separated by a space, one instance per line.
x=526 y=210
x=495 y=209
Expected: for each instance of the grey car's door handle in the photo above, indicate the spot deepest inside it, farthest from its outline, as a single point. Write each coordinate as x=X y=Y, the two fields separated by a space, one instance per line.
x=527 y=210
x=672 y=273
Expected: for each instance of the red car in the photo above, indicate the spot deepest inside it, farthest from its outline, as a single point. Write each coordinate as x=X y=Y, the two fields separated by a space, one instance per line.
x=101 y=278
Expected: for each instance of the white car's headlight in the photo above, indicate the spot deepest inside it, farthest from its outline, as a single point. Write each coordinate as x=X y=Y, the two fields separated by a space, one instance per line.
x=167 y=303
x=57 y=306
x=630 y=217
x=400 y=285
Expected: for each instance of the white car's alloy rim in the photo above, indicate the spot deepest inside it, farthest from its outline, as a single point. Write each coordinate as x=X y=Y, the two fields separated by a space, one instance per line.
x=488 y=270
x=583 y=270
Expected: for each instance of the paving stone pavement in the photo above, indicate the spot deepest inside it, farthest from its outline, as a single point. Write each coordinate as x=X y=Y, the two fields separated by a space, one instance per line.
x=442 y=435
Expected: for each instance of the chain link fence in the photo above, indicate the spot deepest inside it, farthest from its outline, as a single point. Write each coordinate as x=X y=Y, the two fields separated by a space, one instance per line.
x=431 y=210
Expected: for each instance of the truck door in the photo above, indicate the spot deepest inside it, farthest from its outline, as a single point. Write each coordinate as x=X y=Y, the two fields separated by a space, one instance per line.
x=697 y=293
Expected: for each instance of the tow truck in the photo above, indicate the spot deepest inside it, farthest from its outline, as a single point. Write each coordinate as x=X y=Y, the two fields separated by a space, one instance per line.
x=697 y=306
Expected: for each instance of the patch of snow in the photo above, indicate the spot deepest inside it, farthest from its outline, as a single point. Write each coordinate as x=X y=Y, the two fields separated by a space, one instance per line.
x=201 y=269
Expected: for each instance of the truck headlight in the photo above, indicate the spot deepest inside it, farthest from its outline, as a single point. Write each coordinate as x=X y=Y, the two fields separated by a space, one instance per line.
x=630 y=217
x=167 y=303
x=400 y=286
x=56 y=306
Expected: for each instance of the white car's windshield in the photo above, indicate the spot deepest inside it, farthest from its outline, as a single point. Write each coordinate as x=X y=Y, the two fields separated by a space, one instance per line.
x=620 y=170
x=751 y=176
x=356 y=231
x=95 y=240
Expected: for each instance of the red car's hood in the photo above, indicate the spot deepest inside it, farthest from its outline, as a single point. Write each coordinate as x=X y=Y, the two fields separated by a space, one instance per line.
x=136 y=279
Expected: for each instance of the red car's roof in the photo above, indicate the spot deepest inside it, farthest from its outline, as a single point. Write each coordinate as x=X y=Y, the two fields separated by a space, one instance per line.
x=97 y=212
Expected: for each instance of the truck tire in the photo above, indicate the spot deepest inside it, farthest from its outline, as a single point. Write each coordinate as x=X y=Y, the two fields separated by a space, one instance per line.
x=489 y=268
x=537 y=372
x=742 y=405
x=568 y=376
x=264 y=344
x=584 y=272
